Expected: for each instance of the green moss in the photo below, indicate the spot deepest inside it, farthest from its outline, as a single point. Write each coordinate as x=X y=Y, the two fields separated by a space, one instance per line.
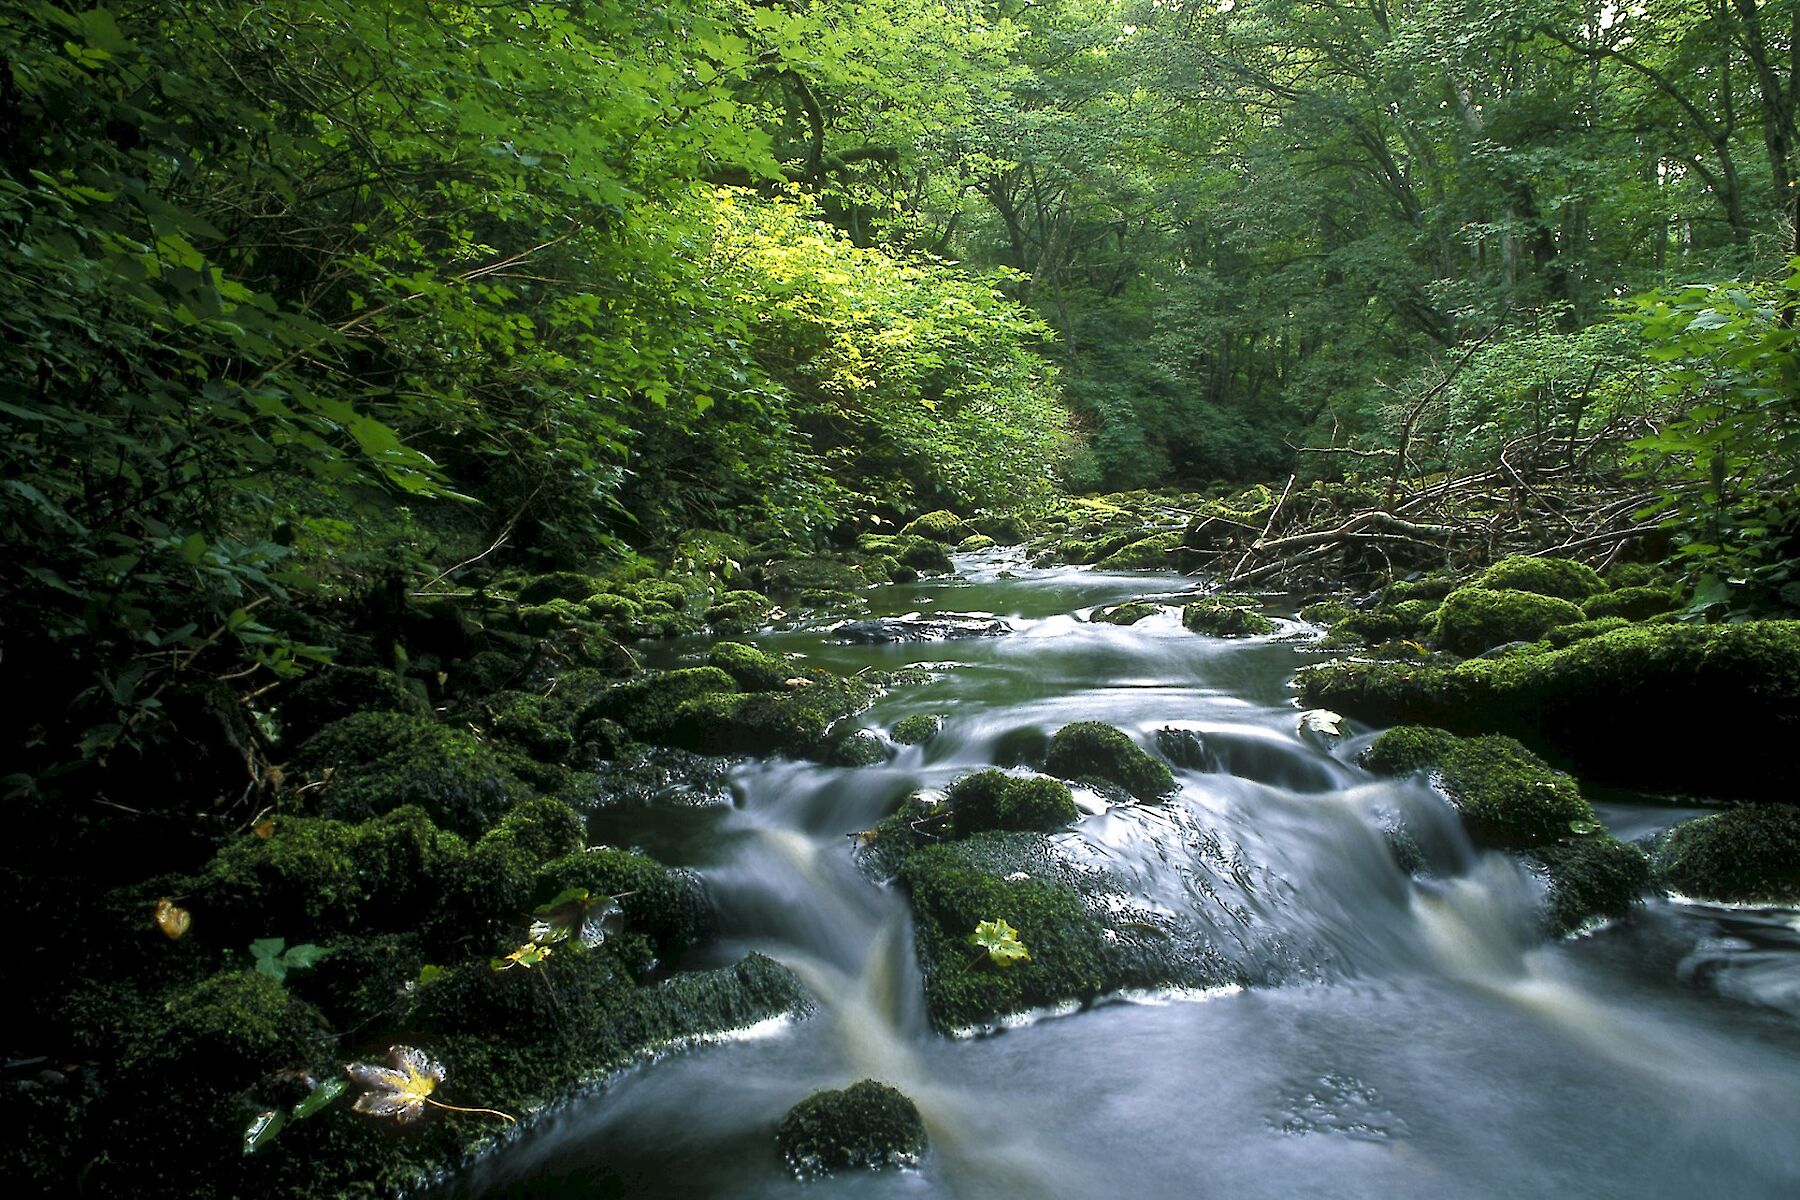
x=1150 y=553
x=540 y=620
x=1567 y=635
x=920 y=727
x=1091 y=750
x=667 y=908
x=1325 y=612
x=1005 y=528
x=1635 y=575
x=922 y=554
x=990 y=800
x=830 y=601
x=234 y=1026
x=333 y=693
x=1129 y=613
x=1507 y=796
x=533 y=723
x=866 y=1126
x=1742 y=855
x=1427 y=587
x=739 y=612
x=650 y=707
x=1557 y=577
x=940 y=526
x=1474 y=619
x=953 y=890
x=1634 y=603
x=793 y=721
x=857 y=748
x=1733 y=690
x=813 y=575
x=617 y=613
x=976 y=542
x=754 y=670
x=1591 y=877
x=373 y=763
x=556 y=585
x=1224 y=617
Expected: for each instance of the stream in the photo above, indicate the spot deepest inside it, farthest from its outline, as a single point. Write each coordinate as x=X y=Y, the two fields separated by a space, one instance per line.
x=1385 y=1036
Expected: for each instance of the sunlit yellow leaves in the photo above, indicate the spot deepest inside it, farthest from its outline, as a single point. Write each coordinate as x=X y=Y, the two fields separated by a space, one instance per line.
x=171 y=920
x=400 y=1090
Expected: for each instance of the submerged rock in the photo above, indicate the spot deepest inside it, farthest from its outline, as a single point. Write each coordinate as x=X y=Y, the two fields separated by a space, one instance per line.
x=1742 y=855
x=867 y=1125
x=944 y=628
x=1092 y=750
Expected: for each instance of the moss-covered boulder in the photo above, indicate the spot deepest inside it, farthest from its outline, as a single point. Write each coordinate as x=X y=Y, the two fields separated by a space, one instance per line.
x=793 y=576
x=866 y=1126
x=1591 y=877
x=794 y=721
x=976 y=542
x=1151 y=553
x=1710 y=709
x=918 y=728
x=922 y=555
x=1093 y=750
x=1425 y=587
x=995 y=800
x=957 y=886
x=1634 y=603
x=739 y=612
x=1542 y=576
x=1567 y=635
x=556 y=585
x=650 y=707
x=1226 y=617
x=373 y=763
x=1508 y=797
x=940 y=526
x=333 y=693
x=753 y=669
x=1743 y=855
x=1474 y=619
x=1128 y=613
x=857 y=748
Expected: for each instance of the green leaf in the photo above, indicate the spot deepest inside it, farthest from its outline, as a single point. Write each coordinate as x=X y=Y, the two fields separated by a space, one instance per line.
x=1001 y=941
x=267 y=948
x=264 y=1129
x=303 y=955
x=319 y=1098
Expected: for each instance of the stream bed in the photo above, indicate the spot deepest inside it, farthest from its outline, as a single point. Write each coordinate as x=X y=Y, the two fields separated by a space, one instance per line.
x=1381 y=1035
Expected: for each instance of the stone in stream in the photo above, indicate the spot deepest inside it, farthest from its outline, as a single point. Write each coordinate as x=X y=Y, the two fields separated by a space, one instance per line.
x=1092 y=750
x=916 y=729
x=1742 y=855
x=867 y=1125
x=1226 y=616
x=918 y=629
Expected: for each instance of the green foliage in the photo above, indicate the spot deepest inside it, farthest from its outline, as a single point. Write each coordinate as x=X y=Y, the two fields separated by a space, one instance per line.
x=275 y=958
x=1001 y=943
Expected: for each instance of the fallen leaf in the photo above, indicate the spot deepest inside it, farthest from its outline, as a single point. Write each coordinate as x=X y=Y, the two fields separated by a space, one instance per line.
x=1001 y=941
x=171 y=920
x=400 y=1090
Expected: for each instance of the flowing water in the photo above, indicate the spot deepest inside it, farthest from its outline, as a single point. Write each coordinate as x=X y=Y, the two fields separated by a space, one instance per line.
x=1377 y=1035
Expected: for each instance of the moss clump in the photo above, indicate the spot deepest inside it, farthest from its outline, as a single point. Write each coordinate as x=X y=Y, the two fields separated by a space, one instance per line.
x=333 y=693
x=1129 y=613
x=1223 y=617
x=1733 y=690
x=1742 y=855
x=1006 y=529
x=1426 y=587
x=940 y=526
x=754 y=670
x=1144 y=554
x=1634 y=603
x=232 y=1027
x=666 y=908
x=556 y=585
x=1542 y=576
x=533 y=723
x=1092 y=750
x=541 y=620
x=739 y=612
x=1325 y=612
x=920 y=727
x=976 y=542
x=650 y=707
x=1474 y=619
x=813 y=575
x=1590 y=877
x=1508 y=796
x=374 y=763
x=1567 y=635
x=921 y=554
x=793 y=721
x=954 y=888
x=995 y=800
x=858 y=748
x=866 y=1126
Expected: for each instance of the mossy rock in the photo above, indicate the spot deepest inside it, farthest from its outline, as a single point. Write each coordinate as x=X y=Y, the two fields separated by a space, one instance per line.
x=916 y=729
x=975 y=543
x=1723 y=699
x=1007 y=529
x=1508 y=797
x=994 y=800
x=378 y=762
x=940 y=526
x=1145 y=554
x=1128 y=613
x=921 y=554
x=541 y=620
x=739 y=612
x=664 y=906
x=230 y=1028
x=1229 y=618
x=1636 y=574
x=754 y=670
x=1426 y=587
x=1747 y=855
x=866 y=1126
x=556 y=585
x=1474 y=619
x=1591 y=877
x=793 y=721
x=1634 y=603
x=797 y=575
x=618 y=613
x=332 y=693
x=956 y=886
x=1092 y=750
x=1325 y=612
x=857 y=748
x=1567 y=635
x=649 y=708
x=1557 y=577
x=533 y=723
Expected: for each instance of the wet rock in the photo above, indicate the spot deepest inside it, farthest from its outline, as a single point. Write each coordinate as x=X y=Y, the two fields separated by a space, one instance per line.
x=991 y=799
x=375 y=762
x=1508 y=797
x=794 y=721
x=866 y=1126
x=1226 y=617
x=1129 y=613
x=1743 y=855
x=916 y=729
x=1187 y=749
x=858 y=748
x=1591 y=877
x=1092 y=750
x=918 y=629
x=754 y=670
x=975 y=543
x=739 y=612
x=1476 y=619
x=1145 y=554
x=650 y=707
